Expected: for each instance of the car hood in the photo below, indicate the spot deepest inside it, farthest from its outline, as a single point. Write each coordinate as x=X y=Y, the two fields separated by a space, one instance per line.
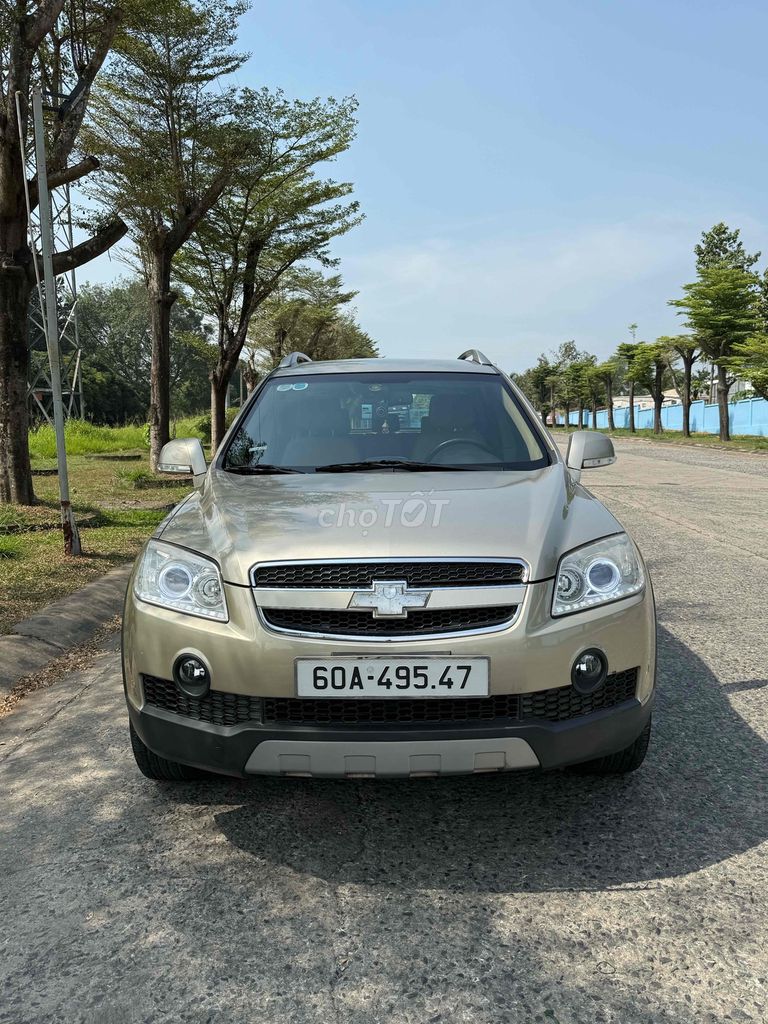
x=536 y=516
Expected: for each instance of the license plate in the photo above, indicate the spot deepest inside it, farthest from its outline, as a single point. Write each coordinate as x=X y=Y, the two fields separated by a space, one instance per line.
x=392 y=677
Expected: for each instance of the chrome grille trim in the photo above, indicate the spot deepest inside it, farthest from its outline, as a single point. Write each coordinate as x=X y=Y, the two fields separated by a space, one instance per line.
x=320 y=599
x=458 y=597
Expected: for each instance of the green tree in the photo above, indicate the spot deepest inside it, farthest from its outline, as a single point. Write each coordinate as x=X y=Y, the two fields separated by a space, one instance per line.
x=35 y=36
x=307 y=312
x=685 y=348
x=722 y=309
x=164 y=131
x=595 y=383
x=649 y=370
x=566 y=392
x=750 y=362
x=117 y=352
x=626 y=353
x=579 y=373
x=609 y=374
x=722 y=247
x=564 y=385
x=536 y=383
x=274 y=213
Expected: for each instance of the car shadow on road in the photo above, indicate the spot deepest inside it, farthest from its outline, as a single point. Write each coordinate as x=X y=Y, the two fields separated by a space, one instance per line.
x=700 y=798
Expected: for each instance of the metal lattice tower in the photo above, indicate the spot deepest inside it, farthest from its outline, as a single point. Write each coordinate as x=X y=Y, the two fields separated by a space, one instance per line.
x=41 y=228
x=39 y=389
x=61 y=86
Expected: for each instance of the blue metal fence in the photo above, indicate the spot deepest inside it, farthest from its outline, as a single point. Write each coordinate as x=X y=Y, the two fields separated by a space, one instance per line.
x=749 y=417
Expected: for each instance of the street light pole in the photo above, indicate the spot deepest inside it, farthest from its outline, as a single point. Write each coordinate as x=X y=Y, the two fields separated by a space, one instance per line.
x=68 y=525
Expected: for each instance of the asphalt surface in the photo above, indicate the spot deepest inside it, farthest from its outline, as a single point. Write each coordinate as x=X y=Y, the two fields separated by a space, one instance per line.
x=531 y=898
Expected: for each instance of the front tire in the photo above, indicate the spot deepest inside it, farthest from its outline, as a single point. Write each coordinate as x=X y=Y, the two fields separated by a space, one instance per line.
x=622 y=762
x=160 y=769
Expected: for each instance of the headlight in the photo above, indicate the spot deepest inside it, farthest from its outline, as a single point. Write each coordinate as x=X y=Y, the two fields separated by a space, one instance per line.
x=597 y=573
x=175 y=578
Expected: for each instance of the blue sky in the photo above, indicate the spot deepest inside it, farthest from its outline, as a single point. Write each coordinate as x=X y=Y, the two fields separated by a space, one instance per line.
x=530 y=172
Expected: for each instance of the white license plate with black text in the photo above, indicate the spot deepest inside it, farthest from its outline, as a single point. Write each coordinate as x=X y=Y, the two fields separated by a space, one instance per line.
x=392 y=677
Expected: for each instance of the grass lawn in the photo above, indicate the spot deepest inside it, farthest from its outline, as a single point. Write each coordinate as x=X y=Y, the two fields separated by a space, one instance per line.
x=117 y=503
x=740 y=443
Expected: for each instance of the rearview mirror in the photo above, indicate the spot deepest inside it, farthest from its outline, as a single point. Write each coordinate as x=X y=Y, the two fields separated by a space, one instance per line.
x=183 y=455
x=588 y=450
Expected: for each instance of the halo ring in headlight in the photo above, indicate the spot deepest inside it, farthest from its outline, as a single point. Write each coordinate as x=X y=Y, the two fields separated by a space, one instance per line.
x=174 y=581
x=603 y=576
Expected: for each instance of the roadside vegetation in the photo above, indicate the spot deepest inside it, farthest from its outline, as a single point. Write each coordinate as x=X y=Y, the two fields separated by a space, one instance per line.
x=117 y=505
x=737 y=442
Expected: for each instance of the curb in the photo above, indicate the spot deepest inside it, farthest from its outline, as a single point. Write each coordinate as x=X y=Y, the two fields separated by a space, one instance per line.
x=56 y=629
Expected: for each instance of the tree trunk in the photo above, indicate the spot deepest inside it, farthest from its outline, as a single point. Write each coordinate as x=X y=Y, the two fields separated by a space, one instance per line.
x=657 y=404
x=580 y=416
x=218 y=409
x=567 y=408
x=686 y=397
x=658 y=399
x=15 y=286
x=543 y=415
x=161 y=299
x=594 y=414
x=15 y=469
x=723 y=387
x=632 y=407
x=251 y=380
x=609 y=402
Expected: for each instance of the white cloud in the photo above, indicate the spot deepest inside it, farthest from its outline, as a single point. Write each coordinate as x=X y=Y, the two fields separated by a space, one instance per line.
x=517 y=297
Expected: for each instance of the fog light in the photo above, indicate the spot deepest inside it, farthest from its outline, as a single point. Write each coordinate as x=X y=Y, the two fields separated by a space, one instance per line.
x=589 y=671
x=192 y=676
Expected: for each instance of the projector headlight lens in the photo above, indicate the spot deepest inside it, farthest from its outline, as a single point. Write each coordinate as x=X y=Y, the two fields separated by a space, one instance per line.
x=186 y=582
x=174 y=581
x=603 y=571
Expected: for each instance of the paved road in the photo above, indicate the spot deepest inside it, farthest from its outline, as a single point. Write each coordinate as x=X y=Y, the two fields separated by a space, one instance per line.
x=545 y=898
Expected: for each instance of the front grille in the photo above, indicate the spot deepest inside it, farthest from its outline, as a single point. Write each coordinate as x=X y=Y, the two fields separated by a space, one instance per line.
x=417 y=623
x=563 y=702
x=343 y=711
x=557 y=704
x=217 y=707
x=357 y=575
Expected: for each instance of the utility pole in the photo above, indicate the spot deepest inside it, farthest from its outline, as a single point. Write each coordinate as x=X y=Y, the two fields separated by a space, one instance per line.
x=68 y=525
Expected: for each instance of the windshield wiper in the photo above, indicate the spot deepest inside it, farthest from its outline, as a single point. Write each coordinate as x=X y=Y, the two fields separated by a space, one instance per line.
x=407 y=464
x=263 y=467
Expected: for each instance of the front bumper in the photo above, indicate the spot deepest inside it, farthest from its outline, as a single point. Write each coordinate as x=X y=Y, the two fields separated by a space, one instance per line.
x=253 y=749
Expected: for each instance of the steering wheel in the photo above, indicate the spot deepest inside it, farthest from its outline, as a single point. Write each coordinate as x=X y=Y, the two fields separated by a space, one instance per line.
x=458 y=440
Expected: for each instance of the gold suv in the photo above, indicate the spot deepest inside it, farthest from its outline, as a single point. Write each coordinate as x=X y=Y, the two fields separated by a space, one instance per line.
x=388 y=569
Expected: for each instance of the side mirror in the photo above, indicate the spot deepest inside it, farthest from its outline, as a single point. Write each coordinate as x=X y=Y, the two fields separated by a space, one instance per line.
x=588 y=450
x=183 y=455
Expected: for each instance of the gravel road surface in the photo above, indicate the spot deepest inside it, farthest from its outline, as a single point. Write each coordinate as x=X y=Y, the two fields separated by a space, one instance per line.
x=550 y=898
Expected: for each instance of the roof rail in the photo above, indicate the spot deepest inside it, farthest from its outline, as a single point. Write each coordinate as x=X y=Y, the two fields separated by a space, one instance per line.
x=294 y=359
x=474 y=355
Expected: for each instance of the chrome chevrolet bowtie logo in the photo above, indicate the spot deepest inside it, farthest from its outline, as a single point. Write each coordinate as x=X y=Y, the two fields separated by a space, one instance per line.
x=390 y=599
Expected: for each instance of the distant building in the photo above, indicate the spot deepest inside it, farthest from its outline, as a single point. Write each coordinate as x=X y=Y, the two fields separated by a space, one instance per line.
x=641 y=402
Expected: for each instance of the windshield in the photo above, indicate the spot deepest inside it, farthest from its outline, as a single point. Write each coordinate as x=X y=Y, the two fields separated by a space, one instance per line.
x=335 y=422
